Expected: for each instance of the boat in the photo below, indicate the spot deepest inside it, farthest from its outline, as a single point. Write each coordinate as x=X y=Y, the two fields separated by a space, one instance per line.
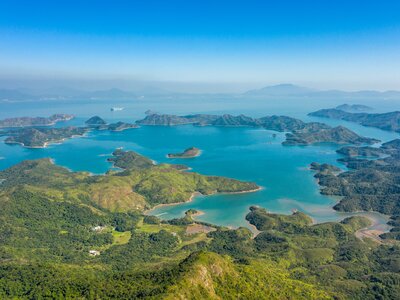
x=117 y=108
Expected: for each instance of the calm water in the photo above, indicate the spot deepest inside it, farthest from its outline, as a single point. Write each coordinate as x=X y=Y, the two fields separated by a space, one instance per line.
x=242 y=153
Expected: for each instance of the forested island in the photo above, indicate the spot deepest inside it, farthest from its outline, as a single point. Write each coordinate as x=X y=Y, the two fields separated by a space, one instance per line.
x=34 y=121
x=100 y=124
x=385 y=121
x=301 y=133
x=187 y=153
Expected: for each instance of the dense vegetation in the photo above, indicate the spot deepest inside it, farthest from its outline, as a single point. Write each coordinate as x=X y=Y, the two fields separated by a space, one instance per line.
x=337 y=135
x=370 y=184
x=45 y=244
x=66 y=235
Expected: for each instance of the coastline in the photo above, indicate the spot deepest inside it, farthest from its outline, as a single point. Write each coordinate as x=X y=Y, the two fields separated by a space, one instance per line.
x=241 y=192
x=46 y=144
x=148 y=211
x=197 y=214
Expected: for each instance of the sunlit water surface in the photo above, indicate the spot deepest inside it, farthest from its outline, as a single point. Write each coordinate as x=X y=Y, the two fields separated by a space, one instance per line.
x=243 y=153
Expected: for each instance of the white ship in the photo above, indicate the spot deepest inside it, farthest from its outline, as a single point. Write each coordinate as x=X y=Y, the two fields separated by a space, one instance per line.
x=117 y=108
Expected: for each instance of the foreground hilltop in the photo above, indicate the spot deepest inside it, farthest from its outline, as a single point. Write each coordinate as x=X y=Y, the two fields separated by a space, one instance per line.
x=301 y=133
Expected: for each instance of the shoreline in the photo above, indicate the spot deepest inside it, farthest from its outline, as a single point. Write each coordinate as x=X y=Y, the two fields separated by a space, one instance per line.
x=241 y=192
x=194 y=194
x=46 y=144
x=198 y=213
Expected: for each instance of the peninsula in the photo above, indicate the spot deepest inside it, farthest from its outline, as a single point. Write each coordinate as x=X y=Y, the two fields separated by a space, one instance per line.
x=34 y=121
x=370 y=184
x=187 y=153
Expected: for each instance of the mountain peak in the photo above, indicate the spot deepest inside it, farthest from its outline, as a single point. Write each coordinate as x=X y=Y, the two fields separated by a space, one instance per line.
x=283 y=89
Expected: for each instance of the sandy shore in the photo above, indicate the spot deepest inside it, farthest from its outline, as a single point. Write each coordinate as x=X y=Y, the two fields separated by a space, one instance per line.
x=147 y=212
x=254 y=230
x=241 y=192
x=198 y=213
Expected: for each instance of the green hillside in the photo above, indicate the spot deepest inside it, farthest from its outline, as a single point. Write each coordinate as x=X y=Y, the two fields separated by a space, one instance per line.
x=66 y=235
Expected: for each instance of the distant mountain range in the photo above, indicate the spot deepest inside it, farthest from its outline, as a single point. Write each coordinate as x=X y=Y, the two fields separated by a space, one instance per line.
x=291 y=90
x=280 y=90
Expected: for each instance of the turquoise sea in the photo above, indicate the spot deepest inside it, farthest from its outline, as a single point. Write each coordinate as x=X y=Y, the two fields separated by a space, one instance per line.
x=242 y=153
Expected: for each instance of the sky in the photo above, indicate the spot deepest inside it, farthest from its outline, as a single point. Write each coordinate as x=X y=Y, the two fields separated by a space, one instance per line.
x=347 y=45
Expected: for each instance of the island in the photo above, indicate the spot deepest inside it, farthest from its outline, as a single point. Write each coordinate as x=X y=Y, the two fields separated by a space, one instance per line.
x=120 y=126
x=95 y=121
x=100 y=124
x=130 y=160
x=386 y=121
x=34 y=121
x=187 y=153
x=337 y=135
x=40 y=137
x=300 y=133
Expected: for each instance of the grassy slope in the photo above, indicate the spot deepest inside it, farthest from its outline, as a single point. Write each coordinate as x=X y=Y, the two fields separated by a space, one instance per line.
x=134 y=189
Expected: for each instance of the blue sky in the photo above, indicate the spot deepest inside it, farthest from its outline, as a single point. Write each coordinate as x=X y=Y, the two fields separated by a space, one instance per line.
x=322 y=44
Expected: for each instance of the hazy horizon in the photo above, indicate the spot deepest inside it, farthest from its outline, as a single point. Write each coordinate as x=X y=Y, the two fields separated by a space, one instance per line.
x=200 y=47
